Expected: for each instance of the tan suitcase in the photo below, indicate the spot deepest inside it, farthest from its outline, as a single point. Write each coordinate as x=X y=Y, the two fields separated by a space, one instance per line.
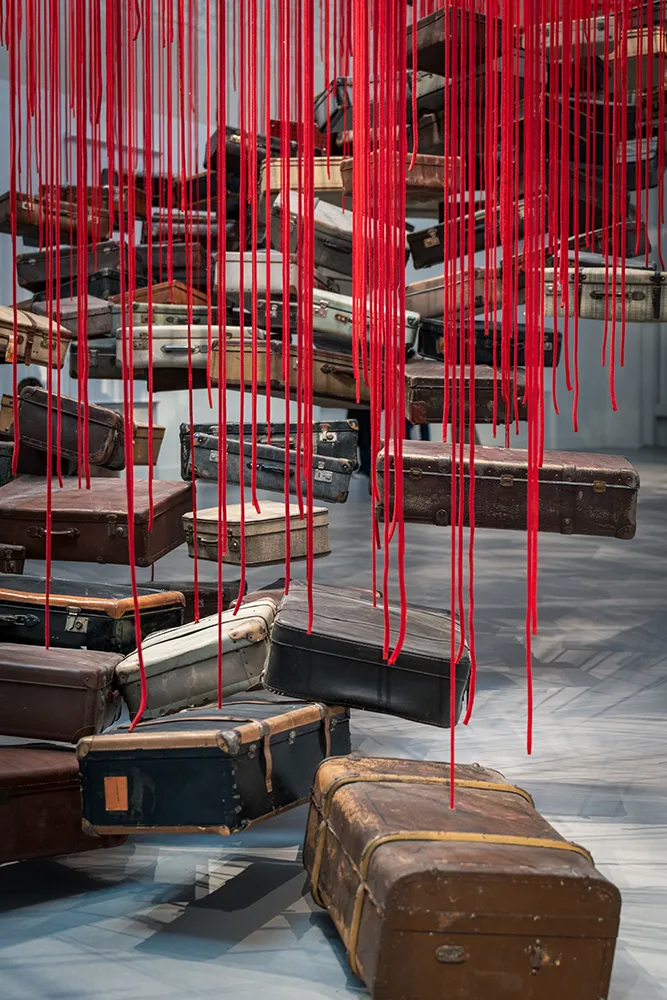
x=428 y=297
x=328 y=183
x=32 y=340
x=141 y=443
x=599 y=290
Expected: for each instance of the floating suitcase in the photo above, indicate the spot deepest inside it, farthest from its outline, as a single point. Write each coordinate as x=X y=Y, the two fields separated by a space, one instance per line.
x=484 y=900
x=164 y=314
x=332 y=281
x=342 y=657
x=332 y=232
x=332 y=322
x=6 y=461
x=434 y=30
x=207 y=595
x=234 y=279
x=32 y=216
x=209 y=771
x=330 y=476
x=34 y=334
x=103 y=284
x=106 y=439
x=333 y=106
x=172 y=346
x=52 y=694
x=12 y=557
x=40 y=804
x=189 y=262
x=182 y=663
x=91 y=525
x=31 y=268
x=102 y=360
x=92 y=615
x=430 y=343
x=141 y=456
x=265 y=534
x=98 y=316
x=580 y=494
x=427 y=183
x=6 y=415
x=195 y=227
x=167 y=292
x=327 y=180
x=233 y=149
x=428 y=297
x=425 y=393
x=639 y=295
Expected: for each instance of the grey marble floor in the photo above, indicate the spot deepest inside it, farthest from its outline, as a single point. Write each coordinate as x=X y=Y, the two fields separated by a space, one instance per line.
x=198 y=917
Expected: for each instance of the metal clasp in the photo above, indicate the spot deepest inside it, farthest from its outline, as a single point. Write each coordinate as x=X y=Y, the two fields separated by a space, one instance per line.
x=599 y=486
x=507 y=481
x=114 y=529
x=450 y=954
x=76 y=622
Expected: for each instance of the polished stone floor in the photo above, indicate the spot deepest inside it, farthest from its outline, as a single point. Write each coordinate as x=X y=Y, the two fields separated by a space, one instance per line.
x=198 y=917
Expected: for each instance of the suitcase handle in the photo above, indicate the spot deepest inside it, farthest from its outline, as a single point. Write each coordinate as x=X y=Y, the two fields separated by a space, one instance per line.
x=340 y=374
x=29 y=621
x=268 y=467
x=182 y=349
x=38 y=532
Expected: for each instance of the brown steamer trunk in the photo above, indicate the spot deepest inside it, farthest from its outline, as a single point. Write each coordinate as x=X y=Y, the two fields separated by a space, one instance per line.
x=425 y=393
x=482 y=902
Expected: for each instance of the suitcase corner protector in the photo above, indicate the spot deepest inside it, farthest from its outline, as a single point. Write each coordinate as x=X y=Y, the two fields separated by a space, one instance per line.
x=82 y=750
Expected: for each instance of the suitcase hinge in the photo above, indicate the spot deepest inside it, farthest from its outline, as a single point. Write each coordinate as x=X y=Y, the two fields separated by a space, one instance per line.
x=507 y=481
x=114 y=529
x=599 y=486
x=415 y=473
x=76 y=622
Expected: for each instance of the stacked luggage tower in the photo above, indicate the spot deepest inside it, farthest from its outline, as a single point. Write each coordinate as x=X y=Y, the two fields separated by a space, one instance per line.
x=386 y=855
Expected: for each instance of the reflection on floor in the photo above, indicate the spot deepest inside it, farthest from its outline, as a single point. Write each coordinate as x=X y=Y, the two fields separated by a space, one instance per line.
x=198 y=917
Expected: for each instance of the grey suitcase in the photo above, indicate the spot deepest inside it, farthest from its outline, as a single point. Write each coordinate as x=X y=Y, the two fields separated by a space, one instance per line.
x=98 y=316
x=330 y=476
x=31 y=267
x=164 y=314
x=182 y=663
x=102 y=360
x=6 y=457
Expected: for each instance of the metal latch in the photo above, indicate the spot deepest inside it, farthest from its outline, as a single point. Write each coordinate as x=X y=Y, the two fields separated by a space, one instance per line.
x=415 y=473
x=432 y=240
x=76 y=622
x=599 y=486
x=507 y=481
x=114 y=529
x=450 y=954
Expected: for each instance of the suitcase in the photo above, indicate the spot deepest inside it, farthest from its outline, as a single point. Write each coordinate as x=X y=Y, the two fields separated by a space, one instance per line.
x=333 y=320
x=207 y=595
x=642 y=298
x=102 y=360
x=12 y=557
x=33 y=335
x=333 y=281
x=642 y=167
x=172 y=346
x=327 y=180
x=265 y=534
x=342 y=657
x=427 y=184
x=196 y=227
x=163 y=314
x=92 y=615
x=91 y=525
x=40 y=804
x=6 y=461
x=233 y=149
x=98 y=316
x=32 y=215
x=428 y=297
x=330 y=476
x=425 y=393
x=6 y=415
x=333 y=106
x=31 y=268
x=141 y=456
x=50 y=694
x=106 y=439
x=188 y=261
x=103 y=284
x=484 y=900
x=433 y=31
x=234 y=279
x=182 y=663
x=167 y=292
x=332 y=232
x=430 y=343
x=208 y=771
x=580 y=494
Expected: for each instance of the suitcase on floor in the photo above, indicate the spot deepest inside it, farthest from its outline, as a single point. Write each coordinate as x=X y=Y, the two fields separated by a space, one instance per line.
x=330 y=476
x=95 y=615
x=208 y=771
x=600 y=291
x=430 y=343
x=172 y=346
x=167 y=293
x=98 y=316
x=425 y=393
x=265 y=534
x=182 y=663
x=40 y=804
x=207 y=595
x=55 y=694
x=33 y=336
x=91 y=525
x=12 y=557
x=580 y=494
x=31 y=268
x=483 y=900
x=106 y=438
x=342 y=657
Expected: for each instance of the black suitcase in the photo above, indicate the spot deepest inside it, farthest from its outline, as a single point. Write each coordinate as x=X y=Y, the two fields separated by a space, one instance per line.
x=275 y=318
x=233 y=149
x=189 y=263
x=430 y=342
x=341 y=660
x=102 y=360
x=207 y=594
x=31 y=267
x=102 y=284
x=6 y=458
x=330 y=476
x=425 y=393
x=208 y=771
x=83 y=615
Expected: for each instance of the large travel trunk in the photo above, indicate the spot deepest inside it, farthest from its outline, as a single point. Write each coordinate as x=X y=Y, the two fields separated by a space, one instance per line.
x=425 y=393
x=90 y=615
x=106 y=439
x=97 y=319
x=579 y=493
x=31 y=268
x=91 y=525
x=639 y=294
x=431 y=343
x=330 y=476
x=265 y=533
x=182 y=663
x=172 y=346
x=55 y=694
x=34 y=334
x=485 y=901
x=40 y=804
x=342 y=658
x=208 y=771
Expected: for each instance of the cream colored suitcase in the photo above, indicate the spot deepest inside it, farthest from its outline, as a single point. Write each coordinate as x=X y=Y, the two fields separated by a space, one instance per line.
x=233 y=277
x=32 y=340
x=643 y=300
x=327 y=180
x=265 y=534
x=169 y=347
x=428 y=297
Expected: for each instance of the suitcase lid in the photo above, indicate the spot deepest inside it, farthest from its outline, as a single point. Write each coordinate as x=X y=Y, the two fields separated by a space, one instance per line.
x=71 y=668
x=34 y=395
x=37 y=768
x=166 y=313
x=269 y=520
x=25 y=498
x=29 y=322
x=232 y=728
x=113 y=600
x=198 y=332
x=69 y=307
x=163 y=292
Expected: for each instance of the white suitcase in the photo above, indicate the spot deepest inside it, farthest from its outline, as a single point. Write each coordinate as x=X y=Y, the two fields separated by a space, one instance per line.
x=427 y=297
x=182 y=663
x=643 y=300
x=332 y=322
x=170 y=346
x=164 y=314
x=232 y=262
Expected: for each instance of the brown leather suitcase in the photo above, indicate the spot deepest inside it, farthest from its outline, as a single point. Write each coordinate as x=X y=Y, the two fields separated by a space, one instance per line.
x=426 y=183
x=580 y=494
x=32 y=214
x=91 y=525
x=106 y=439
x=35 y=336
x=485 y=901
x=425 y=393
x=12 y=558
x=56 y=694
x=40 y=804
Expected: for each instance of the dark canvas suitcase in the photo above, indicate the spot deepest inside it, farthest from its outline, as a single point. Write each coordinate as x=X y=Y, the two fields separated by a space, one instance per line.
x=106 y=439
x=31 y=268
x=40 y=804
x=91 y=525
x=580 y=494
x=208 y=771
x=233 y=140
x=90 y=615
x=425 y=393
x=207 y=595
x=188 y=261
x=485 y=901
x=330 y=476
x=163 y=314
x=341 y=660
x=55 y=694
x=98 y=316
x=12 y=558
x=430 y=343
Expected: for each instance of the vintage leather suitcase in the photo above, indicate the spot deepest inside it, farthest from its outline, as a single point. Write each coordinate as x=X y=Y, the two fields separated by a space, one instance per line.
x=427 y=183
x=172 y=346
x=31 y=268
x=342 y=659
x=163 y=314
x=32 y=217
x=33 y=336
x=182 y=663
x=167 y=292
x=189 y=261
x=40 y=804
x=485 y=900
x=141 y=456
x=207 y=594
x=430 y=343
x=12 y=557
x=6 y=461
x=98 y=316
x=330 y=476
x=106 y=439
x=265 y=534
x=580 y=493
x=91 y=525
x=428 y=297
x=55 y=694
x=425 y=393
x=102 y=284
x=594 y=292
x=94 y=615
x=327 y=180
x=332 y=322
x=209 y=771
